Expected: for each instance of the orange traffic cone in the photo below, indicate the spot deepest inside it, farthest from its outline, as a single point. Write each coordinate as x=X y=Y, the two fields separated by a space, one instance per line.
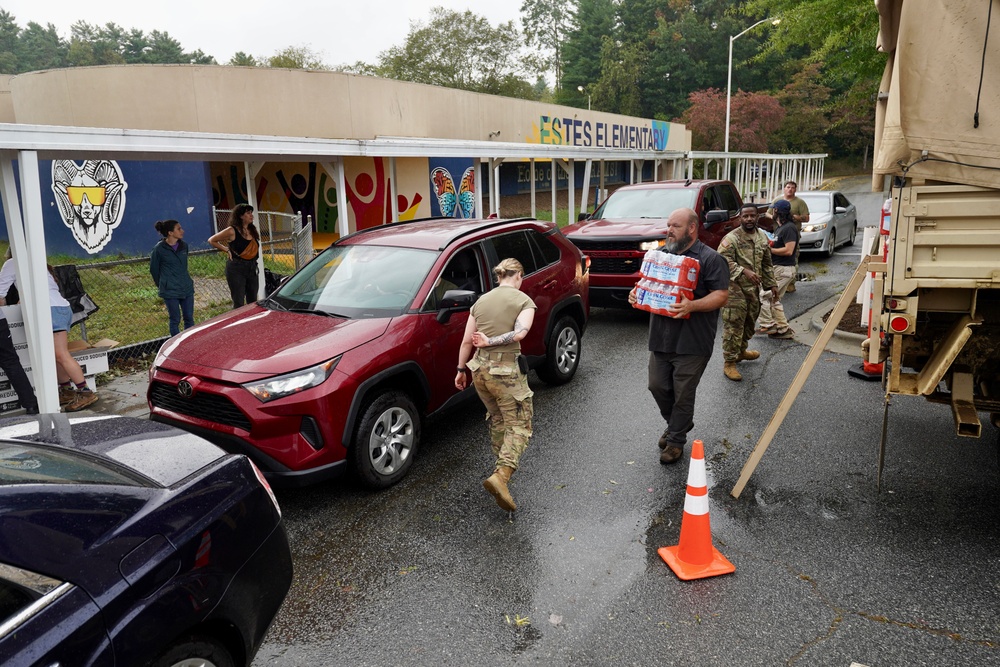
x=695 y=557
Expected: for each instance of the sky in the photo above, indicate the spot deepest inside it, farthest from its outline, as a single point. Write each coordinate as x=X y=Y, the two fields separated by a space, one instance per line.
x=339 y=31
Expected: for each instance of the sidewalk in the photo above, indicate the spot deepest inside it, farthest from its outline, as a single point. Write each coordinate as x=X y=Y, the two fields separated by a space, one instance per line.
x=125 y=395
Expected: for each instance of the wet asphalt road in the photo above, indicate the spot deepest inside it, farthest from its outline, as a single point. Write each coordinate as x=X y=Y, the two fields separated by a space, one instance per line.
x=828 y=570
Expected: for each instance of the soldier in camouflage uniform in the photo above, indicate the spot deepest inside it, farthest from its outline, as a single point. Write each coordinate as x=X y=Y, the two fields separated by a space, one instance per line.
x=749 y=255
x=498 y=322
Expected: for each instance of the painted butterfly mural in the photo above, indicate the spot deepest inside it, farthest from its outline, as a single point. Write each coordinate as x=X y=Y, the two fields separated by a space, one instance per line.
x=455 y=204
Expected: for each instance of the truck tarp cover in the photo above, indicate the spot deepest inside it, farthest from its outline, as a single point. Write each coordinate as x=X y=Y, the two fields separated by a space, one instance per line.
x=936 y=79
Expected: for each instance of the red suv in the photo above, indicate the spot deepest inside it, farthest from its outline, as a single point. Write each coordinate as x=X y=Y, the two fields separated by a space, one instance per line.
x=342 y=363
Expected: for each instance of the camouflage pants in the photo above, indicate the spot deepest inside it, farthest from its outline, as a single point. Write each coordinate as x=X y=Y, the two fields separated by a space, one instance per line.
x=739 y=318
x=504 y=390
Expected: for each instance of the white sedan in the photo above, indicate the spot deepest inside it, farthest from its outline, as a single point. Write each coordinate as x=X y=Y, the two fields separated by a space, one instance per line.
x=833 y=221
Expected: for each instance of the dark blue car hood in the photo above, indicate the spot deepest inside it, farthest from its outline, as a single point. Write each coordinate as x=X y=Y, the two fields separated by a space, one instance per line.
x=80 y=532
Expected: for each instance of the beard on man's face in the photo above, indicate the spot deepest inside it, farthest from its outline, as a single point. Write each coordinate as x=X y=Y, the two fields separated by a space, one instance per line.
x=680 y=244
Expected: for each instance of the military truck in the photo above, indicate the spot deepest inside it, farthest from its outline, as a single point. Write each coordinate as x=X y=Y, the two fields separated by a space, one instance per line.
x=935 y=326
x=936 y=306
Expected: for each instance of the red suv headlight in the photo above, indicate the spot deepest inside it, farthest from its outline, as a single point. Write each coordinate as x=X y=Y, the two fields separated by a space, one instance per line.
x=291 y=383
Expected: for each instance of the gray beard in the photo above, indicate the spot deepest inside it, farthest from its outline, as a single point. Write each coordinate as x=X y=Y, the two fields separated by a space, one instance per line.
x=678 y=246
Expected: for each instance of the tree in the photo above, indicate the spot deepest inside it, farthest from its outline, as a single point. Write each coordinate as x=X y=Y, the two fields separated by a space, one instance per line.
x=93 y=45
x=618 y=90
x=40 y=48
x=134 y=46
x=841 y=37
x=199 y=57
x=754 y=120
x=297 y=57
x=592 y=20
x=9 y=32
x=164 y=49
x=806 y=123
x=241 y=59
x=462 y=50
x=546 y=23
x=358 y=67
x=840 y=34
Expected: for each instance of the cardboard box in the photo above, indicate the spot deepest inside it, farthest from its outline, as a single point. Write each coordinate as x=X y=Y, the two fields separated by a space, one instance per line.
x=92 y=357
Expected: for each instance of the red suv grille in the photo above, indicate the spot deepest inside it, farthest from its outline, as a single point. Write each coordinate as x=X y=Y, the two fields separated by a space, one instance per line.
x=210 y=407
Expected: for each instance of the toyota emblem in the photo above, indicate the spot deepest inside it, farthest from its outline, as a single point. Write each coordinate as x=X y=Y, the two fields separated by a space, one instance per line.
x=185 y=389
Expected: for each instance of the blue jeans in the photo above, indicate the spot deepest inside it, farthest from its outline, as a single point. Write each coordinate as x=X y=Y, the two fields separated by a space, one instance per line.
x=174 y=309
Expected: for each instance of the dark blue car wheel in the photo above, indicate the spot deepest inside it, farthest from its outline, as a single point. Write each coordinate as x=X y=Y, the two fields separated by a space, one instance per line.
x=195 y=651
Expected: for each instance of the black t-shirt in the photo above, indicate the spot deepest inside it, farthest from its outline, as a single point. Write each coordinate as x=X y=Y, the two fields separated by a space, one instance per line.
x=784 y=235
x=697 y=334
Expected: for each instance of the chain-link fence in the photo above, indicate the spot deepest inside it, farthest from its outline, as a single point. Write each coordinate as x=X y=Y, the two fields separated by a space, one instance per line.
x=132 y=313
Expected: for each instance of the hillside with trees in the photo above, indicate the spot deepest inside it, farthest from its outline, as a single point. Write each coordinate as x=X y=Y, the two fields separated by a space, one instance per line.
x=804 y=81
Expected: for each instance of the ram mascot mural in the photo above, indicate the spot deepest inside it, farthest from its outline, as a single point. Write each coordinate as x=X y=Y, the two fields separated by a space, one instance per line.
x=91 y=199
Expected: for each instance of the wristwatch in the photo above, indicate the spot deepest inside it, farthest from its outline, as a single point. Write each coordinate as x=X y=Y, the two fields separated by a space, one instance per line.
x=461 y=370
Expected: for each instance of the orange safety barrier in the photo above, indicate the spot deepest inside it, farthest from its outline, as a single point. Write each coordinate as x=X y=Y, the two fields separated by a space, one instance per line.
x=695 y=557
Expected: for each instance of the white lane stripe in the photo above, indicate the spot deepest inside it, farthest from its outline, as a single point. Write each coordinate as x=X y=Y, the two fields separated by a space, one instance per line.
x=696 y=505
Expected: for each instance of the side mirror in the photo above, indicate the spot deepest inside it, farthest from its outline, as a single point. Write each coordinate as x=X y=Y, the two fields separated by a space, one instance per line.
x=455 y=300
x=716 y=216
x=582 y=216
x=840 y=209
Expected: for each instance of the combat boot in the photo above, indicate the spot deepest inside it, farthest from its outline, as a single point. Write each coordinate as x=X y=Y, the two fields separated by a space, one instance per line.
x=748 y=355
x=729 y=369
x=496 y=484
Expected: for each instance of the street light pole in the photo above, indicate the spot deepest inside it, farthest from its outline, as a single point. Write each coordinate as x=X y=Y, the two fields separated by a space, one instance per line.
x=729 y=78
x=582 y=90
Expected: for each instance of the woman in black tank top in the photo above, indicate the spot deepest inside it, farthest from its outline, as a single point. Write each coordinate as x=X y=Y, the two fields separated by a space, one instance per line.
x=241 y=242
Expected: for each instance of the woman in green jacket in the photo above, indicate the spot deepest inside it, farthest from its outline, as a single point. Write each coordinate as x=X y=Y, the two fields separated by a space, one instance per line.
x=168 y=264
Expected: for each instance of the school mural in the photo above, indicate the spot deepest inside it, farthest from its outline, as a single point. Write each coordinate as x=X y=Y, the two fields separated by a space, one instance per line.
x=311 y=189
x=286 y=187
x=91 y=199
x=453 y=186
x=369 y=188
x=84 y=211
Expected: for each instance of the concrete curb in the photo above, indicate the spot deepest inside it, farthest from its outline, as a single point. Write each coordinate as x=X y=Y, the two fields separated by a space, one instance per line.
x=808 y=326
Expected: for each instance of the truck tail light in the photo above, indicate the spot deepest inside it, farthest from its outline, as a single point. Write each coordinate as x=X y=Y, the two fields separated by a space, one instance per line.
x=900 y=324
x=884 y=227
x=892 y=303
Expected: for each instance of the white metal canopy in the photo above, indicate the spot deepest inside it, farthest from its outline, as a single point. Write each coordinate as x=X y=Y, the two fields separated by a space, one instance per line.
x=27 y=144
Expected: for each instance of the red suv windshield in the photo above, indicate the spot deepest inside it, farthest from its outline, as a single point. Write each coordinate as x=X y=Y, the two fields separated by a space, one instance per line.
x=357 y=281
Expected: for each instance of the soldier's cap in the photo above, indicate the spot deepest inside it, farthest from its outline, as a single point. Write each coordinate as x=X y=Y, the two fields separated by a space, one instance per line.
x=782 y=205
